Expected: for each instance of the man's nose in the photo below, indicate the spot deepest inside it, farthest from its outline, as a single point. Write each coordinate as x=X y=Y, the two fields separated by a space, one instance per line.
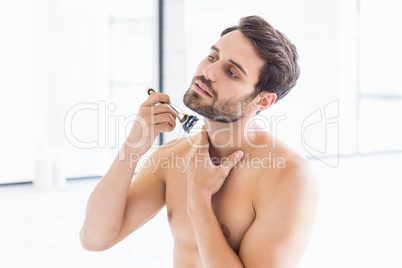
x=210 y=72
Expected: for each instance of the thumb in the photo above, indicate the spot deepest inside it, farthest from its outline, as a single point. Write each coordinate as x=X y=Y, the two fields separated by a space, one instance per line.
x=233 y=159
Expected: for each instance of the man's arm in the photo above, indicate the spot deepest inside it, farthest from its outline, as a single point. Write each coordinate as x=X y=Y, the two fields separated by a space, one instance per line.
x=212 y=245
x=118 y=206
x=284 y=220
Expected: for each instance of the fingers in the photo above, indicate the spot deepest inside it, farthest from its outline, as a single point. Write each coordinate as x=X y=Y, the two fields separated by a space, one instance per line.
x=156 y=98
x=164 y=119
x=232 y=160
x=158 y=114
x=154 y=111
x=159 y=128
x=162 y=108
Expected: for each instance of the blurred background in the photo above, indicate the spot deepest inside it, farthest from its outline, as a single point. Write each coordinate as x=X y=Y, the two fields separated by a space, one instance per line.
x=72 y=77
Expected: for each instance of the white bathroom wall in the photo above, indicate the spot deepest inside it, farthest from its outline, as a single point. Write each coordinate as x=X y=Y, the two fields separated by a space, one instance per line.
x=41 y=229
x=359 y=217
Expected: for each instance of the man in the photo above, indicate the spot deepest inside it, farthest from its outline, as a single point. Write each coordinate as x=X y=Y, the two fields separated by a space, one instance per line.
x=228 y=206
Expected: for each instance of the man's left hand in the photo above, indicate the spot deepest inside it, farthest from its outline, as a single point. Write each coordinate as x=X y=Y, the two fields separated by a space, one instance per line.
x=205 y=178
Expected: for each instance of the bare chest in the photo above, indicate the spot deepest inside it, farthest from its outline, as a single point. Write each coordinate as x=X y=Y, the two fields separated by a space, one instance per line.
x=232 y=206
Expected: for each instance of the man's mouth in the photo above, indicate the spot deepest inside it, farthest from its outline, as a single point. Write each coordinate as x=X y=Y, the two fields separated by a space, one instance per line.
x=202 y=88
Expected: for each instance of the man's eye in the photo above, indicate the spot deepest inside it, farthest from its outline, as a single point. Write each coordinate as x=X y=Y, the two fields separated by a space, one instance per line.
x=231 y=74
x=211 y=58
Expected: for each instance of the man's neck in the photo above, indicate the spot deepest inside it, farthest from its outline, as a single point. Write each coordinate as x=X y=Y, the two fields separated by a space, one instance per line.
x=226 y=138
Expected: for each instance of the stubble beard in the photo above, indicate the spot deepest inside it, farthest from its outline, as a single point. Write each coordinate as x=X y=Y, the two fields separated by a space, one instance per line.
x=223 y=111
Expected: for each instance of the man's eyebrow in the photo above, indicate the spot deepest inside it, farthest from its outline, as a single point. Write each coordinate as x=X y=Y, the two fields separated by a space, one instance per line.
x=215 y=48
x=231 y=61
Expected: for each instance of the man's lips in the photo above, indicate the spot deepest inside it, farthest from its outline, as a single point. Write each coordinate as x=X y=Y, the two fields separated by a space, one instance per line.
x=202 y=88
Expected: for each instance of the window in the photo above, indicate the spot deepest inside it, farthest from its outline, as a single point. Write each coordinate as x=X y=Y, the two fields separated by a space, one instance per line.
x=380 y=94
x=78 y=64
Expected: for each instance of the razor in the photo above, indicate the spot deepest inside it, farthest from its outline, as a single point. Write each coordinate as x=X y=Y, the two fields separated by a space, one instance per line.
x=187 y=121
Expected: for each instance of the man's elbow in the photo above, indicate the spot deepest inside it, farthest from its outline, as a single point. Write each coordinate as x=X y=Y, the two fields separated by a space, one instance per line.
x=90 y=243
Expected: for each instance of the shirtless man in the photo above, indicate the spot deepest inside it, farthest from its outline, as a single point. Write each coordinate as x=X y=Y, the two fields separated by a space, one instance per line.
x=227 y=206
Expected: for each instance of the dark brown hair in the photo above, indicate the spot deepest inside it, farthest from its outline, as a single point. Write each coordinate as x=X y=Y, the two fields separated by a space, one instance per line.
x=281 y=70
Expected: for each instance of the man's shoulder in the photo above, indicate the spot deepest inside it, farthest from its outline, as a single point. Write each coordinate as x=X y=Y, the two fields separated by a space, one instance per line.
x=298 y=168
x=284 y=170
x=280 y=156
x=295 y=177
x=178 y=146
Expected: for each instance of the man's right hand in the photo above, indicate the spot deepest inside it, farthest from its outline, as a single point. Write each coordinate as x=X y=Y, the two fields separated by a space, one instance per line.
x=152 y=119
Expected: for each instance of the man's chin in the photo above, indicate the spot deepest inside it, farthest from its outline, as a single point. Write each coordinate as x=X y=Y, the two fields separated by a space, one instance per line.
x=216 y=118
x=190 y=98
x=225 y=119
x=192 y=101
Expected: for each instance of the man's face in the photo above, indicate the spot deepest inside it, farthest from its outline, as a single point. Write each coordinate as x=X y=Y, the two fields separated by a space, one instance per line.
x=223 y=86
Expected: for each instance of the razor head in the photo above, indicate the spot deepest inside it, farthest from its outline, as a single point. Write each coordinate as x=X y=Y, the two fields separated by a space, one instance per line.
x=189 y=124
x=184 y=119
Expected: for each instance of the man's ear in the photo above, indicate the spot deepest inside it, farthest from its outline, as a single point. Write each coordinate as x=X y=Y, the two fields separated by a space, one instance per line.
x=264 y=100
